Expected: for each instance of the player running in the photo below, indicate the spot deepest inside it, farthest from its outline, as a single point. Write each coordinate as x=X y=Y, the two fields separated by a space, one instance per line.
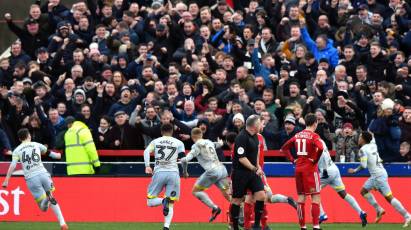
x=309 y=149
x=215 y=171
x=271 y=198
x=379 y=179
x=166 y=175
x=37 y=178
x=330 y=175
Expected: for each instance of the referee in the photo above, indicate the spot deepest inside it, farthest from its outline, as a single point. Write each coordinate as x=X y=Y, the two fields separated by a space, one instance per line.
x=246 y=173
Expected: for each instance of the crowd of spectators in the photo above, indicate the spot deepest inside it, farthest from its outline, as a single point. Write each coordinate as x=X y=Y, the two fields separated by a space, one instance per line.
x=124 y=67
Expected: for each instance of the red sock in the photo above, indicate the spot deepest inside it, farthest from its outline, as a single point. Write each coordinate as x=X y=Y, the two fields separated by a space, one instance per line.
x=315 y=213
x=301 y=214
x=264 y=217
x=248 y=214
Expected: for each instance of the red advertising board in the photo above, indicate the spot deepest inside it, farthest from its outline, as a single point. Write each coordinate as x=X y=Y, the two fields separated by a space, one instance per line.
x=124 y=200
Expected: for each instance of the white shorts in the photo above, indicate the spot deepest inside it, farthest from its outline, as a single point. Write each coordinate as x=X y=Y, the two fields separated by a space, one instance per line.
x=39 y=185
x=170 y=181
x=217 y=176
x=379 y=183
x=334 y=180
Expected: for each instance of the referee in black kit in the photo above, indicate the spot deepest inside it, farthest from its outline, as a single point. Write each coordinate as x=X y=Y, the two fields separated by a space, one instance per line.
x=246 y=173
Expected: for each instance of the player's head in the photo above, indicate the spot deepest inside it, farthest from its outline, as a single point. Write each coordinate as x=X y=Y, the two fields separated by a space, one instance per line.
x=24 y=135
x=365 y=138
x=253 y=123
x=311 y=121
x=196 y=134
x=167 y=129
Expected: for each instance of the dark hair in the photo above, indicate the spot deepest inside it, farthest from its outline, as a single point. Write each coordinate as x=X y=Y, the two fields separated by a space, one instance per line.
x=310 y=119
x=231 y=137
x=167 y=128
x=366 y=136
x=23 y=134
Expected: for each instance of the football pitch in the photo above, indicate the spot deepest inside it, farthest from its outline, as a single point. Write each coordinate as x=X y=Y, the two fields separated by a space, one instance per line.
x=188 y=226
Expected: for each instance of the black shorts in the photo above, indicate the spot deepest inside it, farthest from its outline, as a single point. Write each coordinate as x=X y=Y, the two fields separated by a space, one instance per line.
x=245 y=180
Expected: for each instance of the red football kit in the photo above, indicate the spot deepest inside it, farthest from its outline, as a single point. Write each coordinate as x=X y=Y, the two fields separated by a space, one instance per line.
x=309 y=148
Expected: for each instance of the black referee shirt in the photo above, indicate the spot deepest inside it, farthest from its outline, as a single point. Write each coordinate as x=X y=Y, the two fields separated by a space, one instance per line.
x=246 y=145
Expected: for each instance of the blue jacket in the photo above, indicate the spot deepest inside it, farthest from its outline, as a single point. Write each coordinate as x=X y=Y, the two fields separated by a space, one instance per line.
x=261 y=70
x=330 y=52
x=387 y=136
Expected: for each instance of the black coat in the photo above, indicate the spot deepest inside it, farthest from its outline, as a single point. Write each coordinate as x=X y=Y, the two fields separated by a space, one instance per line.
x=30 y=43
x=129 y=137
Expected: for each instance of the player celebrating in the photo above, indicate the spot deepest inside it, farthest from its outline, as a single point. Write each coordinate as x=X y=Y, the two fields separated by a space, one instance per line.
x=379 y=179
x=276 y=198
x=330 y=175
x=309 y=149
x=37 y=178
x=166 y=175
x=215 y=171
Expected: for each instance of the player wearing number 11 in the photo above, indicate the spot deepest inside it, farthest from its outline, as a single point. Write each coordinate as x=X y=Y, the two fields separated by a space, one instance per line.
x=38 y=180
x=309 y=148
x=166 y=175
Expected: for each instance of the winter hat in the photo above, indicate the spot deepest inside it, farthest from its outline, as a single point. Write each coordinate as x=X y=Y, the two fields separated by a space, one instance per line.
x=290 y=119
x=387 y=104
x=93 y=45
x=239 y=116
x=80 y=91
x=93 y=52
x=125 y=88
x=348 y=125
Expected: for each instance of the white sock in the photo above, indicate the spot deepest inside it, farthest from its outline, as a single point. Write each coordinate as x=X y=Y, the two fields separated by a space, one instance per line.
x=354 y=204
x=154 y=202
x=203 y=197
x=44 y=204
x=57 y=211
x=371 y=200
x=278 y=198
x=398 y=206
x=321 y=210
x=169 y=217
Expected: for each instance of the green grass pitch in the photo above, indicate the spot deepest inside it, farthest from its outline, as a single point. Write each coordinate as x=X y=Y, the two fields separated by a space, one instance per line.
x=191 y=226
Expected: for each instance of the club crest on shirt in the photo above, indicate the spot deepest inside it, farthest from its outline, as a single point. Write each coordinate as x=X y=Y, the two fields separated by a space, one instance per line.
x=240 y=151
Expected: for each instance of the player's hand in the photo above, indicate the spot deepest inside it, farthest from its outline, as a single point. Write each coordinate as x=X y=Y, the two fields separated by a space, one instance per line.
x=325 y=174
x=351 y=171
x=5 y=184
x=149 y=170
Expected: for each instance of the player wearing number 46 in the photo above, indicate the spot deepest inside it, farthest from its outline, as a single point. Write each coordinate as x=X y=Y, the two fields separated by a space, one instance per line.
x=379 y=178
x=215 y=171
x=37 y=178
x=309 y=148
x=166 y=176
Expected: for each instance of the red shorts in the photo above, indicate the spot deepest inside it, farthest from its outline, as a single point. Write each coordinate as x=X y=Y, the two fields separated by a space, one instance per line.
x=307 y=183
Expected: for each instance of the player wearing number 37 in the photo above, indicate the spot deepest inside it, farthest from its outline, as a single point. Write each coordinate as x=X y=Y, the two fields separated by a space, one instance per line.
x=309 y=148
x=38 y=180
x=166 y=176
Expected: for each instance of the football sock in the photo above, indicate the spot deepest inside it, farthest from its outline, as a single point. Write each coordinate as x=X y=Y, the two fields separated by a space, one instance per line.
x=264 y=217
x=315 y=213
x=258 y=211
x=203 y=197
x=169 y=217
x=321 y=210
x=235 y=211
x=278 y=198
x=57 y=211
x=301 y=214
x=154 y=202
x=248 y=213
x=371 y=200
x=354 y=204
x=398 y=206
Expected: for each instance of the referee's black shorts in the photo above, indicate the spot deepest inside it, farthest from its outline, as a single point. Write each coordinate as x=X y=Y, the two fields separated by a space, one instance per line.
x=245 y=180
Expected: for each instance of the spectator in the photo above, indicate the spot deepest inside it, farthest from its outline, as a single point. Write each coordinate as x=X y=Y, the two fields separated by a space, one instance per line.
x=102 y=133
x=122 y=135
x=346 y=141
x=386 y=131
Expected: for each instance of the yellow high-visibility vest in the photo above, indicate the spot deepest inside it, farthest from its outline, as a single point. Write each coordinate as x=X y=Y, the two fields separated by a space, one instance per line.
x=81 y=153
